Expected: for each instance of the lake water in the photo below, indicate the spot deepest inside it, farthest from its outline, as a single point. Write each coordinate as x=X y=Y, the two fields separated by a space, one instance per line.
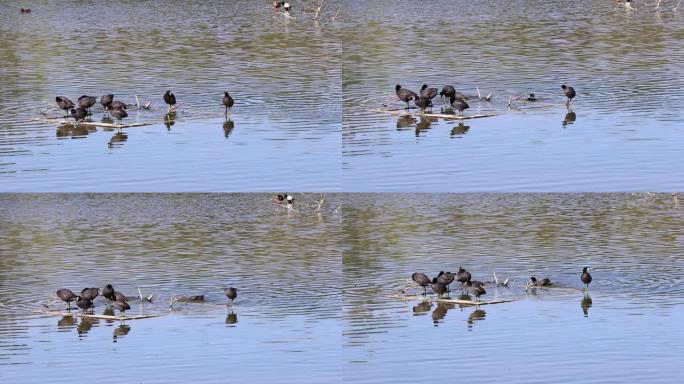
x=284 y=327
x=625 y=133
x=284 y=75
x=627 y=329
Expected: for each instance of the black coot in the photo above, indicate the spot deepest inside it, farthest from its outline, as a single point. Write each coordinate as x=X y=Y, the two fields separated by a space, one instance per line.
x=438 y=287
x=422 y=280
x=90 y=293
x=569 y=93
x=119 y=114
x=86 y=102
x=64 y=103
x=67 y=296
x=463 y=276
x=476 y=289
x=459 y=104
x=448 y=91
x=405 y=95
x=446 y=278
x=78 y=113
x=231 y=294
x=109 y=293
x=116 y=104
x=122 y=306
x=106 y=101
x=170 y=99
x=531 y=97
x=227 y=101
x=422 y=103
x=429 y=93
x=84 y=304
x=540 y=283
x=586 y=277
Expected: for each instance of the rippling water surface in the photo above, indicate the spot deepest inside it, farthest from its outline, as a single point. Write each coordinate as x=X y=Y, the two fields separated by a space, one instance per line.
x=625 y=132
x=284 y=327
x=627 y=328
x=284 y=75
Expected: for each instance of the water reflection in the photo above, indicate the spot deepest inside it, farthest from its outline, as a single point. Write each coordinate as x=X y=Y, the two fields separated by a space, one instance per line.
x=66 y=323
x=586 y=304
x=422 y=307
x=228 y=127
x=231 y=319
x=570 y=118
x=459 y=130
x=405 y=122
x=85 y=325
x=169 y=120
x=424 y=124
x=117 y=140
x=477 y=315
x=441 y=311
x=75 y=131
x=120 y=331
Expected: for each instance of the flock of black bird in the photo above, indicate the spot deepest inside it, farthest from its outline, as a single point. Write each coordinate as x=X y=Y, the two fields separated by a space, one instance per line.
x=116 y=108
x=116 y=300
x=440 y=284
x=457 y=100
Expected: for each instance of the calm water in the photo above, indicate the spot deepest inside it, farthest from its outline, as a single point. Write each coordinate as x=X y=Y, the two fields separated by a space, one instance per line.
x=284 y=74
x=626 y=132
x=628 y=329
x=285 y=325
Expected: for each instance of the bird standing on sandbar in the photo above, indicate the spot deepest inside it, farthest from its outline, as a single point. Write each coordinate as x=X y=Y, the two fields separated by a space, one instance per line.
x=231 y=294
x=569 y=93
x=405 y=95
x=227 y=101
x=65 y=104
x=170 y=99
x=67 y=296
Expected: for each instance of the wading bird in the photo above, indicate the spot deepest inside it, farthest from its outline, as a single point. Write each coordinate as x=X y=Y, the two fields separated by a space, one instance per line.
x=170 y=99
x=67 y=296
x=422 y=280
x=65 y=104
x=586 y=278
x=227 y=101
x=405 y=95
x=569 y=93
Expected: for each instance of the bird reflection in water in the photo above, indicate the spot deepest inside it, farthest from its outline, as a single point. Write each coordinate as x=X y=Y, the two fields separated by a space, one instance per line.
x=440 y=311
x=169 y=120
x=424 y=124
x=586 y=304
x=477 y=315
x=231 y=319
x=66 y=323
x=228 y=127
x=570 y=118
x=108 y=311
x=459 y=130
x=85 y=325
x=422 y=307
x=117 y=140
x=120 y=331
x=405 y=122
x=74 y=131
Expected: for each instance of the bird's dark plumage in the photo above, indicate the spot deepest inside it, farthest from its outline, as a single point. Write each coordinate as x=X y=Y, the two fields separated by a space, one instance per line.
x=231 y=293
x=459 y=104
x=540 y=283
x=422 y=280
x=84 y=303
x=227 y=101
x=116 y=104
x=66 y=295
x=447 y=91
x=108 y=293
x=64 y=103
x=86 y=102
x=106 y=101
x=463 y=276
x=569 y=93
x=422 y=103
x=119 y=114
x=438 y=287
x=446 y=278
x=122 y=306
x=90 y=293
x=476 y=289
x=586 y=277
x=405 y=95
x=429 y=93
x=78 y=113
